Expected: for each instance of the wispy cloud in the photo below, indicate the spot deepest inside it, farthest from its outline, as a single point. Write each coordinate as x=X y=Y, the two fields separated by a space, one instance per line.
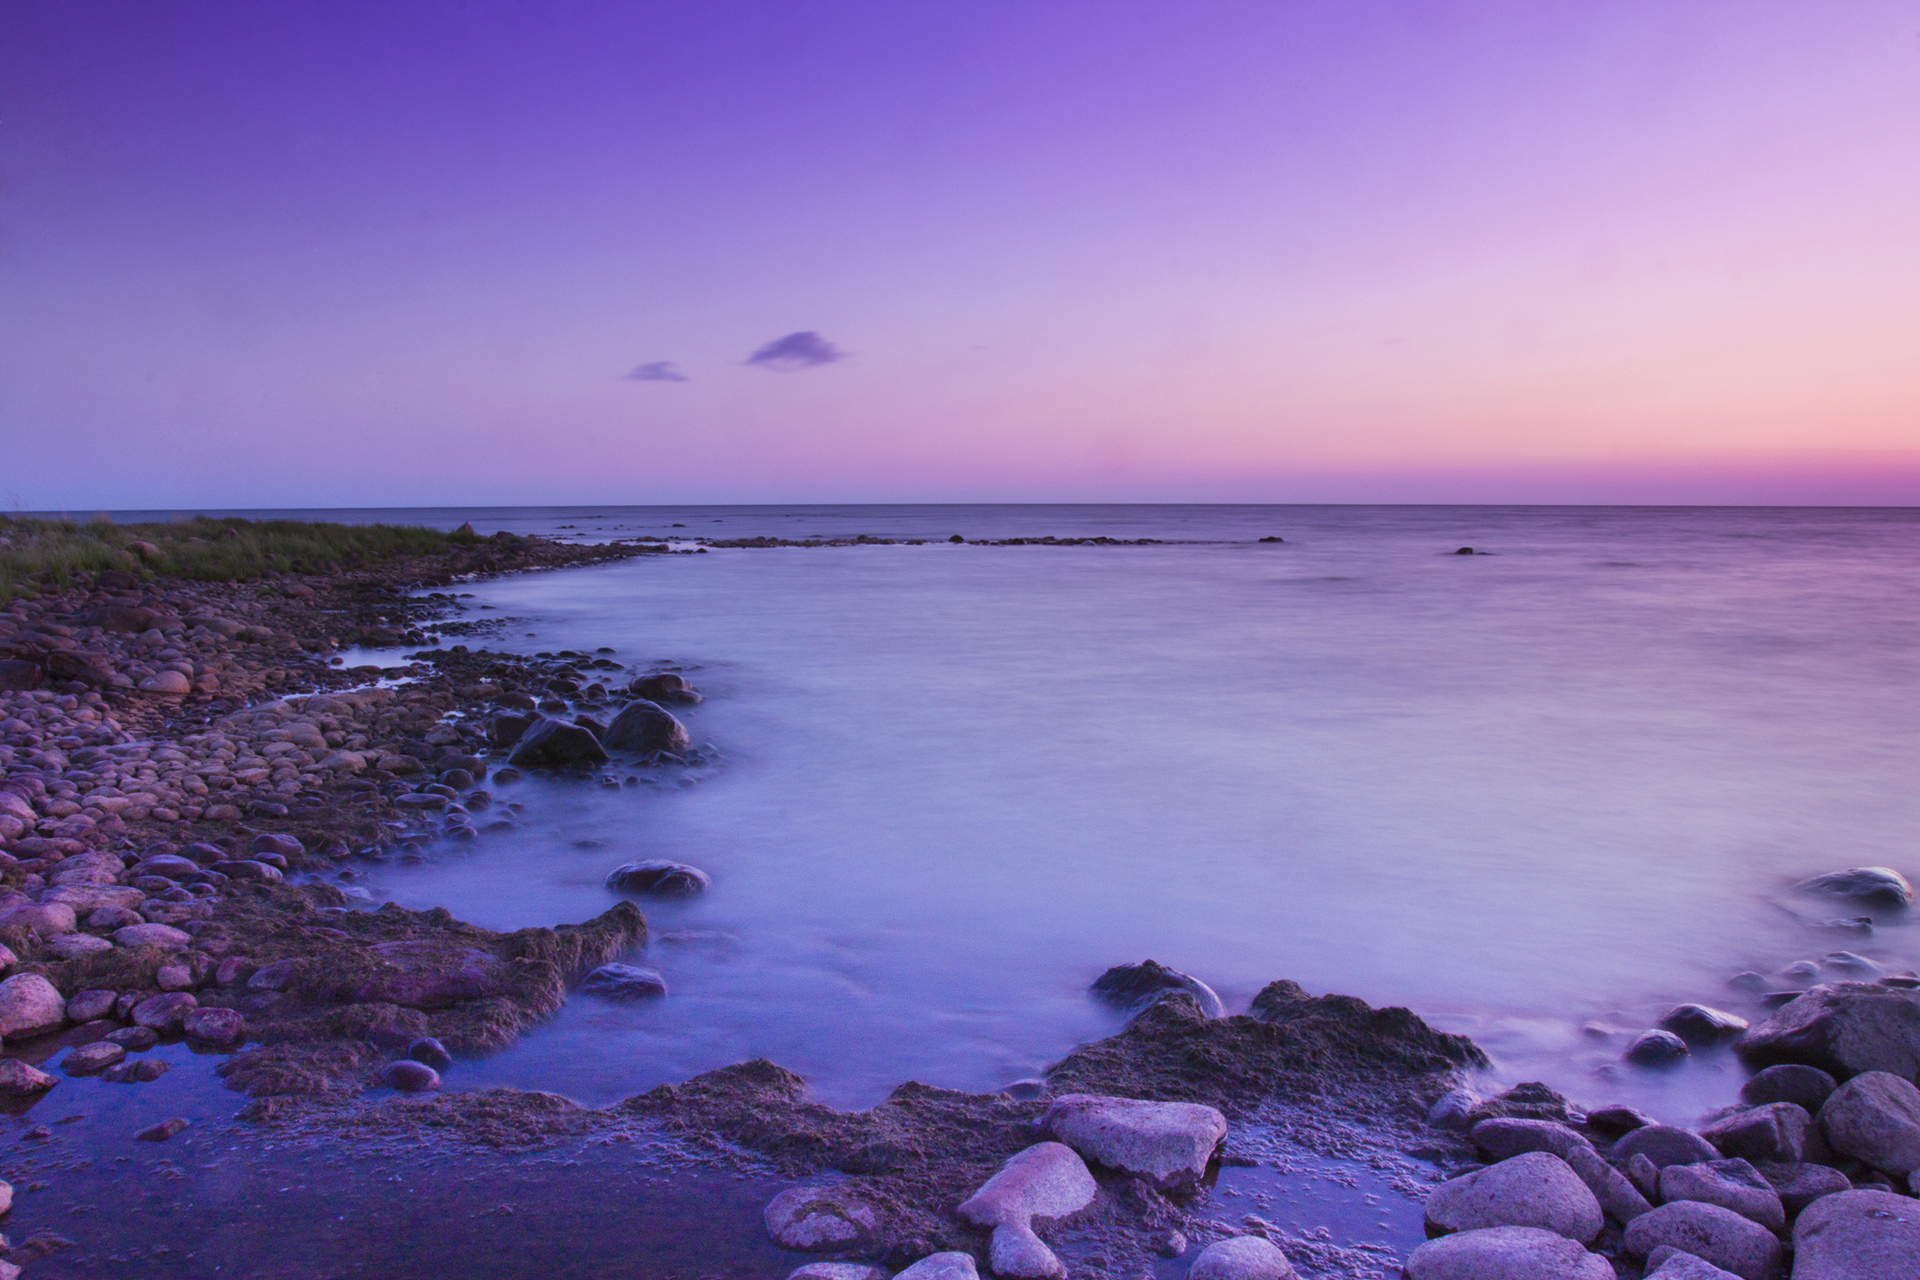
x=658 y=371
x=797 y=351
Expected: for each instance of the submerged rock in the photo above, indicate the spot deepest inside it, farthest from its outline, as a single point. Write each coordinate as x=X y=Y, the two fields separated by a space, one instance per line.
x=409 y=1076
x=1168 y=1142
x=666 y=879
x=624 y=982
x=1656 y=1048
x=646 y=726
x=1506 y=1253
x=1531 y=1190
x=1698 y=1024
x=555 y=744
x=1873 y=886
x=1133 y=986
x=662 y=687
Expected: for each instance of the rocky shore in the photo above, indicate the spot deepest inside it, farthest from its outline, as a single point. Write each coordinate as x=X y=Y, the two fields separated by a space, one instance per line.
x=192 y=781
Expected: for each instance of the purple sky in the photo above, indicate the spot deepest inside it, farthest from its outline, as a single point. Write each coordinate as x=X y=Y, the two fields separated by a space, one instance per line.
x=264 y=253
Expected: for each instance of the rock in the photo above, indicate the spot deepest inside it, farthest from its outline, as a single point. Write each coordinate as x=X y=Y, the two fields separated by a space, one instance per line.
x=1667 y=1263
x=1047 y=1180
x=1858 y=1235
x=942 y=1266
x=1710 y=1232
x=1808 y=1087
x=170 y=865
x=1800 y=1185
x=646 y=726
x=426 y=974
x=214 y=1026
x=89 y=1058
x=1502 y=1139
x=809 y=1218
x=1731 y=1184
x=1617 y=1119
x=1850 y=964
x=1870 y=886
x=153 y=935
x=1449 y=1111
x=508 y=727
x=18 y=1080
x=1134 y=986
x=409 y=1076
x=624 y=982
x=77 y=946
x=1700 y=1025
x=837 y=1271
x=164 y=1012
x=1776 y=1131
x=430 y=1051
x=1645 y=1176
x=1241 y=1258
x=1875 y=1117
x=1506 y=1253
x=18 y=674
x=1534 y=1189
x=1656 y=1048
x=47 y=919
x=85 y=1006
x=284 y=845
x=135 y=1039
x=135 y=1071
x=164 y=1130
x=1169 y=1142
x=1664 y=1145
x=1842 y=1029
x=1616 y=1193
x=1749 y=983
x=167 y=682
x=30 y=1006
x=555 y=744
x=664 y=687
x=665 y=879
x=248 y=869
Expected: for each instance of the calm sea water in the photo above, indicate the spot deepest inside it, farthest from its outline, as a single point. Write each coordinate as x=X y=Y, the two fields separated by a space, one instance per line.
x=1563 y=782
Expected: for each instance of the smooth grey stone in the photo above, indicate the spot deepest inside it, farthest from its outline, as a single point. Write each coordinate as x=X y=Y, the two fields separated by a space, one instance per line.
x=1875 y=1118
x=1858 y=1235
x=1843 y=1028
x=1535 y=1189
x=624 y=982
x=1800 y=1185
x=1668 y=1263
x=1731 y=1184
x=1656 y=1048
x=1506 y=1253
x=1617 y=1194
x=1240 y=1258
x=1776 y=1131
x=646 y=726
x=1664 y=1144
x=810 y=1218
x=1169 y=1142
x=1617 y=1119
x=665 y=879
x=1790 y=1082
x=1505 y=1137
x=1718 y=1235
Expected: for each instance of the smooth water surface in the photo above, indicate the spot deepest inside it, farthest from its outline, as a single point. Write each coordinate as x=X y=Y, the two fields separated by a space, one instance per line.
x=1564 y=781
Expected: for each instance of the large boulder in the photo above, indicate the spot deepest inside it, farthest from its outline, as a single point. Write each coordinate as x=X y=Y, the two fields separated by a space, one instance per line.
x=646 y=726
x=1801 y=1184
x=1708 y=1231
x=1777 y=1131
x=555 y=744
x=1135 y=986
x=1047 y=1180
x=1169 y=1142
x=1843 y=1028
x=1875 y=1117
x=1665 y=1144
x=1616 y=1193
x=1240 y=1258
x=1506 y=1253
x=663 y=687
x=1504 y=1137
x=1731 y=1184
x=1868 y=886
x=1531 y=1190
x=30 y=1006
x=18 y=1080
x=810 y=1218
x=1789 y=1082
x=1858 y=1235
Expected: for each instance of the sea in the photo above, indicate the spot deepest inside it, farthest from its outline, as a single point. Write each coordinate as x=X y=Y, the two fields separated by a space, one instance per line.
x=1538 y=794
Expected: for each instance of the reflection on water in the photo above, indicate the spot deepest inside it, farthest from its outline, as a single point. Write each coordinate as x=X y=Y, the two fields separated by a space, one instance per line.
x=1518 y=792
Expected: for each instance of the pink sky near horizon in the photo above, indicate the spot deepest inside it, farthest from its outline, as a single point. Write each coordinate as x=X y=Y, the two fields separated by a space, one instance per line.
x=300 y=254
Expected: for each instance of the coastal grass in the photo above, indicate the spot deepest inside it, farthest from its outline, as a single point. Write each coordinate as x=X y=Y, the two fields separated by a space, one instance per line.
x=39 y=553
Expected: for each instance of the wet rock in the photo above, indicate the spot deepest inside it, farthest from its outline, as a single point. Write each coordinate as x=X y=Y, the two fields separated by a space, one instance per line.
x=85 y=1006
x=1843 y=1028
x=1799 y=1185
x=1656 y=1048
x=1645 y=1176
x=1134 y=986
x=409 y=1076
x=1240 y=1258
x=1701 y=1026
x=30 y=1006
x=1848 y=964
x=89 y=1058
x=1857 y=1235
x=1617 y=1194
x=942 y=1266
x=164 y=1012
x=1450 y=1111
x=430 y=1051
x=1617 y=1118
x=167 y=682
x=1506 y=1253
x=624 y=982
x=1875 y=1117
x=135 y=1071
x=1535 y=1189
x=507 y=728
x=1750 y=983
x=214 y=1026
x=1776 y=1131
x=1667 y=1263
x=248 y=869
x=663 y=879
x=134 y=1039
x=1169 y=1142
x=1731 y=1184
x=1869 y=886
x=1026 y=1089
x=429 y=974
x=555 y=744
x=164 y=1130
x=1502 y=1139
x=664 y=687
x=837 y=1271
x=18 y=1080
x=1664 y=1144
x=1808 y=1087
x=646 y=726
x=1708 y=1231
x=810 y=1218
x=1047 y=1180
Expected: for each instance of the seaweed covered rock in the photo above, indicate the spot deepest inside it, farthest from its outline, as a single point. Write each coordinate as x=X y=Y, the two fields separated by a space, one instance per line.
x=1134 y=986
x=660 y=878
